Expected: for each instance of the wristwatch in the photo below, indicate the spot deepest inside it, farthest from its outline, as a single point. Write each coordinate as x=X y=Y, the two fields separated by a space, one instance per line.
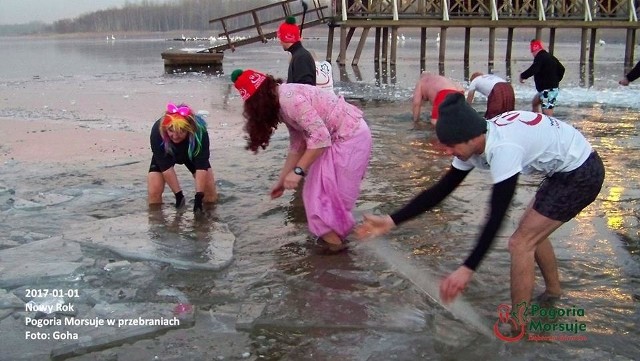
x=299 y=171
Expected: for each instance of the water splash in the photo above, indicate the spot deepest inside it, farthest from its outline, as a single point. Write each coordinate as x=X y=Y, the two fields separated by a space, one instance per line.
x=428 y=284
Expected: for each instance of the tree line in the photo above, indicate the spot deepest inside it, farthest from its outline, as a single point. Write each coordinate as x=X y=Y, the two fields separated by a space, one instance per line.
x=148 y=16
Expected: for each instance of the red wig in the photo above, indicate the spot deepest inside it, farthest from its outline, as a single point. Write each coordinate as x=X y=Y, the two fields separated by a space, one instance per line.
x=261 y=111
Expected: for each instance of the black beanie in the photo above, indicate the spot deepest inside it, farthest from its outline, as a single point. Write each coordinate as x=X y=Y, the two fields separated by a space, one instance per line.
x=458 y=122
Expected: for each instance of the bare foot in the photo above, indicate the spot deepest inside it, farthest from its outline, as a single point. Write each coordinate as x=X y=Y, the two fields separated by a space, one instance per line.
x=419 y=126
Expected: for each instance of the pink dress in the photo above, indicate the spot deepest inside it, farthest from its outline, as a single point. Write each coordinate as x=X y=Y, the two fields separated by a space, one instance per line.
x=316 y=119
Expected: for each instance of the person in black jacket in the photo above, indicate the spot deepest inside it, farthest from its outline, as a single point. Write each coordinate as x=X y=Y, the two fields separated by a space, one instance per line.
x=547 y=72
x=302 y=68
x=180 y=137
x=631 y=76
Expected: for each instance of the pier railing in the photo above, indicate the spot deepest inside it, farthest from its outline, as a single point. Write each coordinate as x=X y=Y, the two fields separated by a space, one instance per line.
x=621 y=10
x=387 y=16
x=263 y=23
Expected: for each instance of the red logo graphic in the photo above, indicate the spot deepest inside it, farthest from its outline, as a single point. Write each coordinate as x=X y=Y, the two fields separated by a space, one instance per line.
x=505 y=316
x=508 y=118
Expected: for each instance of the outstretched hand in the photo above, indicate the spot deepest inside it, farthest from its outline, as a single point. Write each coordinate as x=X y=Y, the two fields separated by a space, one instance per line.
x=454 y=284
x=374 y=226
x=277 y=190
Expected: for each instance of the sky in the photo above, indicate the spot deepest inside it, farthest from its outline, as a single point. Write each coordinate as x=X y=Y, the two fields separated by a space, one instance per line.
x=48 y=11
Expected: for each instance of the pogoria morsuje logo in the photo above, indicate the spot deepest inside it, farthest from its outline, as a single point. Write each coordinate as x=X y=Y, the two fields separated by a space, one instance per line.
x=540 y=323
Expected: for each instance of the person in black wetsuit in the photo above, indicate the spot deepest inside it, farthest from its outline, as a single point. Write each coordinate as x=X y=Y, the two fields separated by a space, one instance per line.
x=547 y=72
x=180 y=137
x=302 y=68
x=631 y=76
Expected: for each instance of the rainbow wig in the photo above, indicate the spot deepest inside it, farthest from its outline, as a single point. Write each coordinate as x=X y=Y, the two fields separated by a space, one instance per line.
x=181 y=118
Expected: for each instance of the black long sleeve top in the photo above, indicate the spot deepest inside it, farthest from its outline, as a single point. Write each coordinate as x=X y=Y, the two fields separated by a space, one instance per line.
x=501 y=197
x=302 y=68
x=634 y=73
x=547 y=71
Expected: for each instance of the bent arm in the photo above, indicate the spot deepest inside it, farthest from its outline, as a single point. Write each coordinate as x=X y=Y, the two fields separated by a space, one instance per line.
x=416 y=103
x=533 y=69
x=470 y=95
x=290 y=163
x=308 y=157
x=500 y=199
x=634 y=73
x=200 y=180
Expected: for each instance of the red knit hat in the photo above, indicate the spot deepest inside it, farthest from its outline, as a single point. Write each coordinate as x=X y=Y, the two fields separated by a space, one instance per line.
x=536 y=45
x=288 y=31
x=247 y=81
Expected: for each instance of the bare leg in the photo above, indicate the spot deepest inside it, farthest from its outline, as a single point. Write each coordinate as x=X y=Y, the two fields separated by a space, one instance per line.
x=536 y=106
x=155 y=187
x=546 y=260
x=533 y=229
x=548 y=112
x=210 y=192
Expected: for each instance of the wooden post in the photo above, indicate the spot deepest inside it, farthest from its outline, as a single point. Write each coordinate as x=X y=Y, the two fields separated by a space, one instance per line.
x=394 y=45
x=385 y=44
x=552 y=40
x=330 y=43
x=423 y=49
x=467 y=46
x=633 y=48
x=539 y=33
x=492 y=49
x=628 y=50
x=363 y=39
x=592 y=47
x=507 y=55
x=343 y=45
x=583 y=49
x=376 y=51
x=443 y=45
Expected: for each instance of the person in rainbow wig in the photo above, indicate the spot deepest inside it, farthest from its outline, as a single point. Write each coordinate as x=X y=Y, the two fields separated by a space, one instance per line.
x=329 y=146
x=180 y=137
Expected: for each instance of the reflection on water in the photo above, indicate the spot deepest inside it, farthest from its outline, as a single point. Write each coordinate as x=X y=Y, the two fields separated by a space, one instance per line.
x=181 y=234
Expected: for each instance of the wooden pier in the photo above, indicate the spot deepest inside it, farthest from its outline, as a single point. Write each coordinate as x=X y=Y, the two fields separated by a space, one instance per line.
x=187 y=61
x=234 y=32
x=387 y=16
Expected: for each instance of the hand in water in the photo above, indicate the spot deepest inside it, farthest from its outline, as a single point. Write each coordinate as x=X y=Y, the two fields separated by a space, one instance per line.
x=454 y=284
x=374 y=226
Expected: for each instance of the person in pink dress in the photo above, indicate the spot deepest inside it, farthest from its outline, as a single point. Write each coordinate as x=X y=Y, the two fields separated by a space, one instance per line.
x=329 y=146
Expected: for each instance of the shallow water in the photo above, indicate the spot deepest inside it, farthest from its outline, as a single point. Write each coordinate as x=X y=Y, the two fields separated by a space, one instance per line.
x=353 y=306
